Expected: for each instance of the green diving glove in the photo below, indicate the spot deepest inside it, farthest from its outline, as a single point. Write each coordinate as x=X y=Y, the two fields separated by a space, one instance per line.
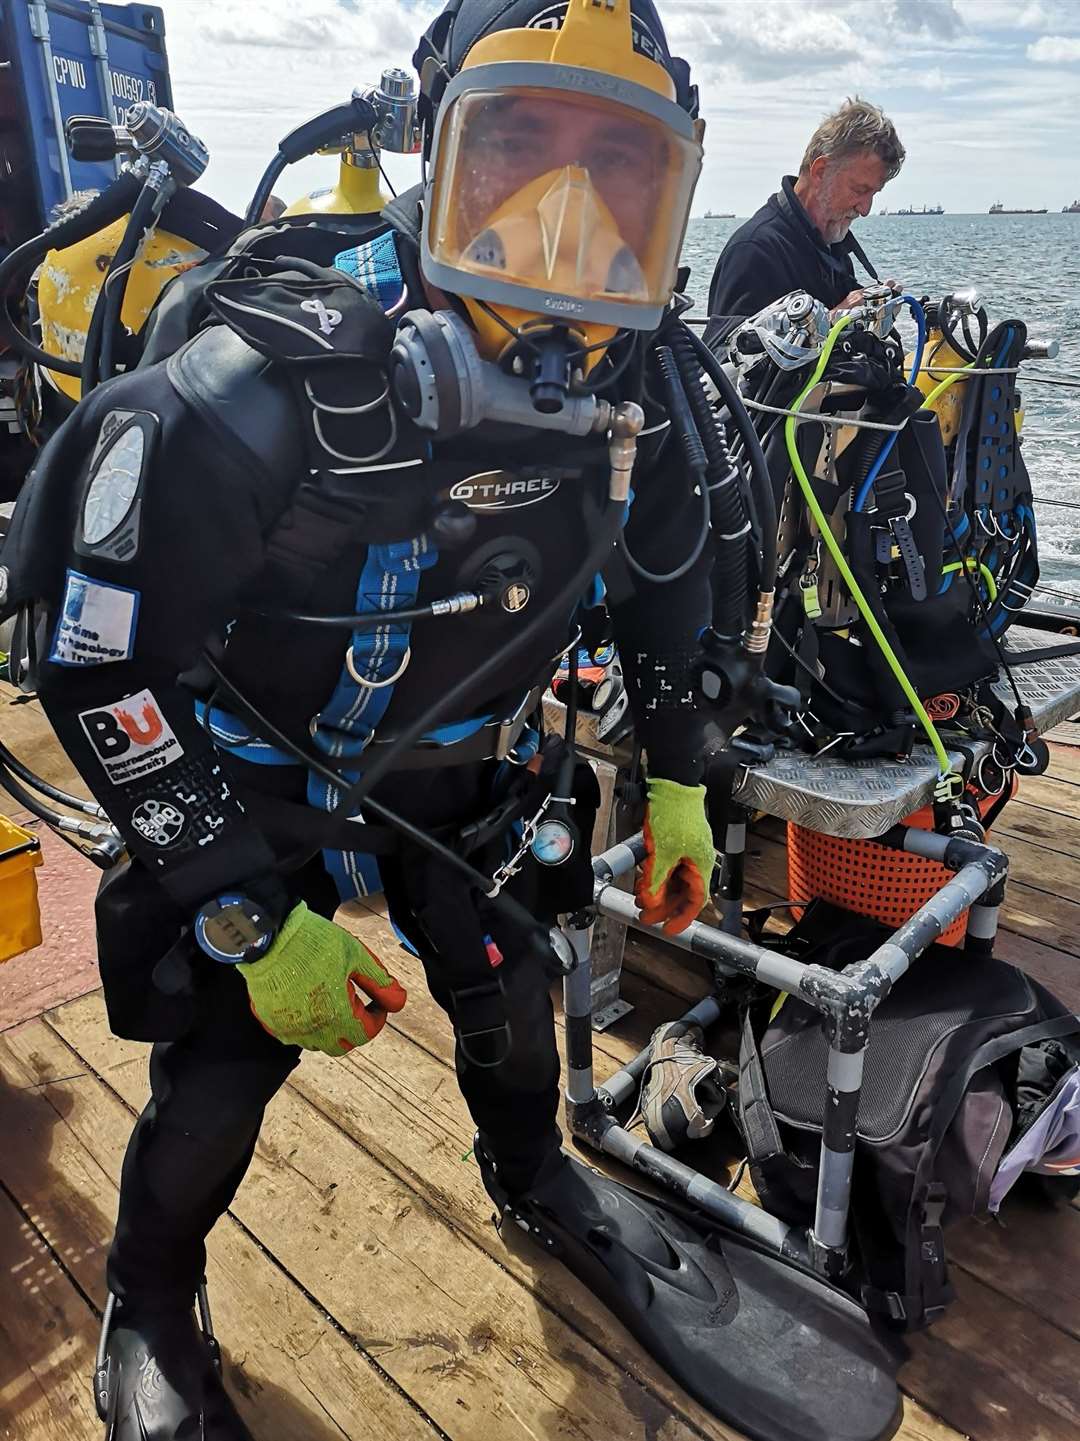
x=679 y=856
x=312 y=987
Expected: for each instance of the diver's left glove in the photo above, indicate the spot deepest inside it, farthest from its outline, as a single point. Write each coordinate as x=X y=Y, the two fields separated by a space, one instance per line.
x=679 y=856
x=312 y=987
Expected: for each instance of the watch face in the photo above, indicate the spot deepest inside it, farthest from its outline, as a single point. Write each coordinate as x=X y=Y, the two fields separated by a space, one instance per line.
x=112 y=490
x=233 y=928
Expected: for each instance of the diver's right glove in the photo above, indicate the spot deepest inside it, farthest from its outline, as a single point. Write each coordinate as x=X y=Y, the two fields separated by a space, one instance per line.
x=311 y=987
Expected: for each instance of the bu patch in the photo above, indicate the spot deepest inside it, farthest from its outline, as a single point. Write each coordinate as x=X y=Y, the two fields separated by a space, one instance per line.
x=131 y=738
x=96 y=623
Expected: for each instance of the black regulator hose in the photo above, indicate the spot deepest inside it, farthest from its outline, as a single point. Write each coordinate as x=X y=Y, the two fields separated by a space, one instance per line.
x=105 y=320
x=730 y=523
x=356 y=116
x=764 y=500
x=16 y=268
x=697 y=462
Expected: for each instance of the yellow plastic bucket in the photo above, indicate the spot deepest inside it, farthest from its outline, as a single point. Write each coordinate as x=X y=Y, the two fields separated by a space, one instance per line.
x=20 y=916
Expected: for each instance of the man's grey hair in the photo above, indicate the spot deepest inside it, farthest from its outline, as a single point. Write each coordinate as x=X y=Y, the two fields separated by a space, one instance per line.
x=856 y=127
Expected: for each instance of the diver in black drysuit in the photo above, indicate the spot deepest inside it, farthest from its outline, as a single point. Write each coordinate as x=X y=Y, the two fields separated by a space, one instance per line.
x=221 y=474
x=202 y=502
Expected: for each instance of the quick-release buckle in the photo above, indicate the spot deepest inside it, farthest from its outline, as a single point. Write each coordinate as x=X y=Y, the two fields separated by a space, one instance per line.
x=933 y=1207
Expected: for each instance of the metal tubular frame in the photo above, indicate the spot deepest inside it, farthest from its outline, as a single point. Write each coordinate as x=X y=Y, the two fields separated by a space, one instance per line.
x=847 y=1000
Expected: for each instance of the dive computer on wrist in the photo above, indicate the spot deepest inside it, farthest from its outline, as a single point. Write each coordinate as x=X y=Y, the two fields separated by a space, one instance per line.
x=234 y=927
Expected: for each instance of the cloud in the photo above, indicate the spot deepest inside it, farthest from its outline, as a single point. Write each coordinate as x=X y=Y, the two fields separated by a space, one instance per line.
x=1054 y=50
x=951 y=74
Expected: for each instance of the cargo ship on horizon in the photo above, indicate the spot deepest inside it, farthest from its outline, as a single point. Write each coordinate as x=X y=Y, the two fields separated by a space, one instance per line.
x=998 y=209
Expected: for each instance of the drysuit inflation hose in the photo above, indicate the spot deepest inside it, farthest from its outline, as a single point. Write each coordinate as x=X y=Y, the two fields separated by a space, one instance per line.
x=839 y=559
x=17 y=267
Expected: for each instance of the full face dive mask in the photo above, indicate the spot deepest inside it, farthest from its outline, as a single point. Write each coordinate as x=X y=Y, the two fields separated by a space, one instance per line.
x=559 y=188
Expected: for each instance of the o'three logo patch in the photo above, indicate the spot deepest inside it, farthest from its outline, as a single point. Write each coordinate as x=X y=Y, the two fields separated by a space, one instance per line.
x=502 y=490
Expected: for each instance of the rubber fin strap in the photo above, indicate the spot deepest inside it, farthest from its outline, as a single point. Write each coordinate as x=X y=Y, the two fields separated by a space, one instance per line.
x=376 y=657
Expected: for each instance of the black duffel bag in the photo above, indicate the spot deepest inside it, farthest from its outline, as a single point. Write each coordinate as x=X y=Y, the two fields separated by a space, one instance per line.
x=938 y=1111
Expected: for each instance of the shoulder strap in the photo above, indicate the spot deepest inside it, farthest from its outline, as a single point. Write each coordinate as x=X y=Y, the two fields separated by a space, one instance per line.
x=759 y=1128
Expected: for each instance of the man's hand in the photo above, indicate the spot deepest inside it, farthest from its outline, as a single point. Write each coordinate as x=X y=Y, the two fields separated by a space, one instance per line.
x=311 y=987
x=849 y=302
x=679 y=856
x=855 y=298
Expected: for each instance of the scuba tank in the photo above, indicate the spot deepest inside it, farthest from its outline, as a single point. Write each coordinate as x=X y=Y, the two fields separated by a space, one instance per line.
x=105 y=262
x=947 y=351
x=382 y=117
x=357 y=190
x=70 y=279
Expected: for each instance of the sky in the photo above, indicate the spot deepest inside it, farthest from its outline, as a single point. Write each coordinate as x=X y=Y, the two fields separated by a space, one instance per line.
x=985 y=93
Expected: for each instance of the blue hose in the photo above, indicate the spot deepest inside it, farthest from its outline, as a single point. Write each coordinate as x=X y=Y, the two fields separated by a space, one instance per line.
x=886 y=450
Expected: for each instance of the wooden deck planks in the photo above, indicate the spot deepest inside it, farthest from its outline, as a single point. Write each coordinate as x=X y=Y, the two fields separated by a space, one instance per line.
x=362 y=1287
x=444 y=1319
x=362 y=1096
x=301 y=1381
x=47 y=1339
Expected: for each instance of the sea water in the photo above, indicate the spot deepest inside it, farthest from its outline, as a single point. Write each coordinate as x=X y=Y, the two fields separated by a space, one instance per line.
x=1025 y=267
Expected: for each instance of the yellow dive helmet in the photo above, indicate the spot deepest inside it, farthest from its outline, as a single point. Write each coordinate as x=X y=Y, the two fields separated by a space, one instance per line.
x=69 y=280
x=562 y=161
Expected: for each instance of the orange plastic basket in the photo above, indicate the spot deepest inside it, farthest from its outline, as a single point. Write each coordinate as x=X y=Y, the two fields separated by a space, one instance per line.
x=867 y=878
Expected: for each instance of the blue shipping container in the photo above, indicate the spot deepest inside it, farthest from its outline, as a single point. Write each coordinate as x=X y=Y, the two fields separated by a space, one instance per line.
x=60 y=58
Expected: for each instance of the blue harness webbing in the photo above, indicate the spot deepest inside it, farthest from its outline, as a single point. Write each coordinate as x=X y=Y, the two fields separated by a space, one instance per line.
x=377 y=655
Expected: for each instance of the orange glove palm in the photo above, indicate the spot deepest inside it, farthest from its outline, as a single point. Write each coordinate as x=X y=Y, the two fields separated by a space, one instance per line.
x=679 y=856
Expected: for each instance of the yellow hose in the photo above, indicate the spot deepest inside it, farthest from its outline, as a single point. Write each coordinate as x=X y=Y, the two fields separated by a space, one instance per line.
x=942 y=386
x=987 y=575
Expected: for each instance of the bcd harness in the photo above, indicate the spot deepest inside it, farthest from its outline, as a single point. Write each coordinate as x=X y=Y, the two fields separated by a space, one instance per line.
x=389 y=582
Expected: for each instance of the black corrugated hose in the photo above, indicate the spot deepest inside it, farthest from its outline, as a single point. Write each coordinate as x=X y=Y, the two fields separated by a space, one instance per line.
x=761 y=482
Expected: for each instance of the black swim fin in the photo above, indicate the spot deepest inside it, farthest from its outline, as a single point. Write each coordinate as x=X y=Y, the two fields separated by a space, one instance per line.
x=159 y=1379
x=763 y=1345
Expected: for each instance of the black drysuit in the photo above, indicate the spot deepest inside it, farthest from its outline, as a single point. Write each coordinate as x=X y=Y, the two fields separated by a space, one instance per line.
x=242 y=505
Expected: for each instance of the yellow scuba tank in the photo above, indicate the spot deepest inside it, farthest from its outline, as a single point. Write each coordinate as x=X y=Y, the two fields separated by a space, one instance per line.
x=357 y=191
x=69 y=281
x=949 y=405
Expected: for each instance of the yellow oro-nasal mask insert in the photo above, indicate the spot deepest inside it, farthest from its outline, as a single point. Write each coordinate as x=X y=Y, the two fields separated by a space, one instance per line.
x=558 y=232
